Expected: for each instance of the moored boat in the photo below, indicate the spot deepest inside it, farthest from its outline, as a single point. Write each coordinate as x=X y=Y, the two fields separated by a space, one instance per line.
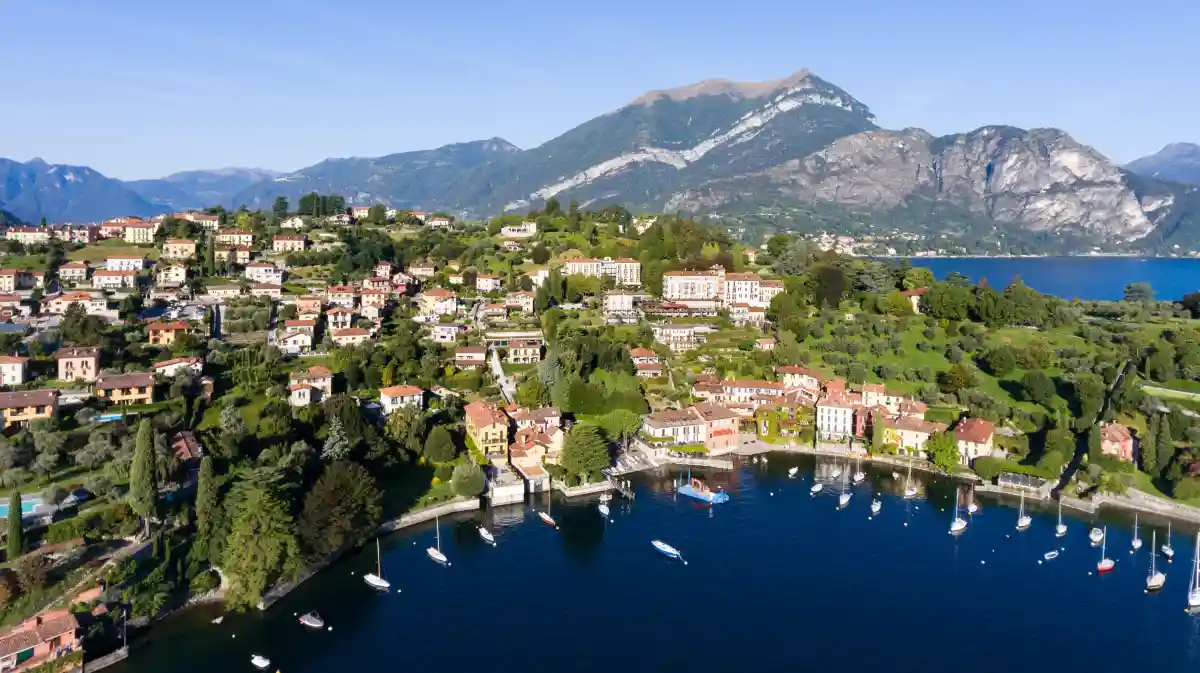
x=698 y=490
x=1096 y=535
x=667 y=550
x=1155 y=579
x=876 y=505
x=1167 y=550
x=435 y=553
x=1105 y=564
x=792 y=471
x=1050 y=555
x=1194 y=588
x=259 y=661
x=604 y=510
x=312 y=620
x=487 y=536
x=959 y=524
x=816 y=488
x=1023 y=519
x=375 y=579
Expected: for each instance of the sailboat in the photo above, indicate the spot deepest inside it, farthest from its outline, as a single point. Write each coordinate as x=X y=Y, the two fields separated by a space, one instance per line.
x=1096 y=535
x=837 y=472
x=971 y=506
x=604 y=510
x=910 y=491
x=487 y=536
x=376 y=579
x=1194 y=588
x=1105 y=564
x=844 y=498
x=858 y=474
x=1137 y=541
x=1023 y=519
x=816 y=488
x=1155 y=580
x=959 y=524
x=435 y=553
x=545 y=516
x=876 y=505
x=1167 y=550
x=1061 y=529
x=792 y=471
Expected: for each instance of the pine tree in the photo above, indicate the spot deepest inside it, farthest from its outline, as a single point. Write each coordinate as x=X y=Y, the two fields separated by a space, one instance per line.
x=1147 y=450
x=337 y=446
x=206 y=505
x=15 y=542
x=142 y=489
x=1164 y=444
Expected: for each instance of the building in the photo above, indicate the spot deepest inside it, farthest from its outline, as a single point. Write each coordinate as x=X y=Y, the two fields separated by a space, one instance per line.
x=139 y=233
x=624 y=271
x=232 y=254
x=712 y=426
x=767 y=344
x=877 y=395
x=170 y=368
x=316 y=376
x=439 y=223
x=447 y=332
x=524 y=352
x=78 y=364
x=285 y=243
x=39 y=640
x=394 y=397
x=173 y=275
x=266 y=290
x=225 y=291
x=836 y=416
x=696 y=289
x=263 y=272
x=374 y=299
x=28 y=235
x=187 y=449
x=520 y=300
x=12 y=280
x=352 y=336
x=236 y=237
x=486 y=282
x=798 y=377
x=179 y=248
x=92 y=305
x=345 y=296
x=21 y=408
x=300 y=326
x=677 y=337
x=974 y=436
x=309 y=305
x=1116 y=440
x=618 y=303
x=340 y=318
x=487 y=427
x=13 y=370
x=137 y=388
x=339 y=219
x=423 y=270
x=293 y=222
x=296 y=343
x=74 y=272
x=114 y=280
x=359 y=212
x=910 y=434
x=112 y=229
x=470 y=357
x=735 y=391
x=522 y=230
x=166 y=333
x=383 y=268
x=914 y=296
x=532 y=448
x=207 y=222
x=437 y=302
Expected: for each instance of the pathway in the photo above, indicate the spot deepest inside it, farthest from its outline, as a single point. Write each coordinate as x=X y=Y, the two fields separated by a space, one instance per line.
x=507 y=387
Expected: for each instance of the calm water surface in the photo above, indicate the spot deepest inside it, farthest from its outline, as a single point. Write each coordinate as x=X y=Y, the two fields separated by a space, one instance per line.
x=776 y=581
x=1082 y=277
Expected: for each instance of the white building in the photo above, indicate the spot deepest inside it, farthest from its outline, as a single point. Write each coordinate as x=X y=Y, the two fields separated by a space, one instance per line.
x=835 y=418
x=114 y=280
x=692 y=287
x=394 y=397
x=624 y=271
x=295 y=343
x=293 y=222
x=486 y=282
x=264 y=272
x=13 y=370
x=125 y=263
x=523 y=230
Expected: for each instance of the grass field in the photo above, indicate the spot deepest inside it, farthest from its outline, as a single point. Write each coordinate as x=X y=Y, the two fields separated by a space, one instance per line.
x=98 y=252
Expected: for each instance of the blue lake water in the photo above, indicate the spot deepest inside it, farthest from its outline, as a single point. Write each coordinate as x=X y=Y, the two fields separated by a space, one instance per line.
x=776 y=580
x=1076 y=277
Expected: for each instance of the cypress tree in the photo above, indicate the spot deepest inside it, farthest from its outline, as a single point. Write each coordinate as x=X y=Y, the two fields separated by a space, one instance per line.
x=206 y=505
x=142 y=489
x=15 y=542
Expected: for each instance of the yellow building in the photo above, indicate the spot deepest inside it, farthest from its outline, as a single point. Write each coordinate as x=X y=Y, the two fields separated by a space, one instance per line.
x=21 y=407
x=487 y=426
x=126 y=388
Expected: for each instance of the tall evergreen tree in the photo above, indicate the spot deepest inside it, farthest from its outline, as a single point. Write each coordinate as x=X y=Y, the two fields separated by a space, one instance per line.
x=15 y=542
x=1147 y=448
x=142 y=489
x=1164 y=445
x=206 y=506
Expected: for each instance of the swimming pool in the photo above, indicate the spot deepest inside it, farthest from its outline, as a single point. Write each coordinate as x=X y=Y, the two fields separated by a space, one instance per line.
x=28 y=504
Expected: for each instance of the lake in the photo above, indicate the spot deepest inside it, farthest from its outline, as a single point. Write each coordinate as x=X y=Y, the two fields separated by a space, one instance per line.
x=776 y=580
x=1071 y=277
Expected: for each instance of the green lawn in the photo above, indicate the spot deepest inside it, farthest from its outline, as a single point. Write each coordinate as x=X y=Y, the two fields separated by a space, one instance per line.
x=98 y=252
x=24 y=262
x=251 y=411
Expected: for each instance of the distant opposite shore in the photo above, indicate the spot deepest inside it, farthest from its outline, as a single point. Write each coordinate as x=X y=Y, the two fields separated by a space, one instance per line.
x=1088 y=277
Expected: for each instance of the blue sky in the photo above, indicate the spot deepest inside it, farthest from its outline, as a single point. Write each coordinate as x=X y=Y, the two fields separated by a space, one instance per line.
x=141 y=88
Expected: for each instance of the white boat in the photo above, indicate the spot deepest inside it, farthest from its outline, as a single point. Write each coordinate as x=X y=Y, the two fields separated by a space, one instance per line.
x=1154 y=580
x=844 y=498
x=604 y=510
x=667 y=550
x=259 y=661
x=218 y=620
x=858 y=474
x=1023 y=519
x=312 y=620
x=1061 y=529
x=837 y=472
x=1050 y=555
x=1096 y=535
x=959 y=524
x=376 y=579
x=1105 y=564
x=895 y=475
x=435 y=553
x=1137 y=541
x=764 y=460
x=1167 y=549
x=792 y=471
x=547 y=519
x=971 y=506
x=1194 y=588
x=487 y=536
x=876 y=505
x=756 y=460
x=910 y=491
x=816 y=488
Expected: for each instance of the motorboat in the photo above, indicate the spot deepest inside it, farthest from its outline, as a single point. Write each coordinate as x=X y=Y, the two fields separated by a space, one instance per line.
x=876 y=505
x=375 y=579
x=259 y=661
x=312 y=620
x=487 y=536
x=792 y=471
x=547 y=519
x=694 y=488
x=1096 y=535
x=604 y=510
x=667 y=550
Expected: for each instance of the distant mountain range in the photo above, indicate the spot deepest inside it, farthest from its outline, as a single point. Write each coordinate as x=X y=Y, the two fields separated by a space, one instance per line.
x=790 y=154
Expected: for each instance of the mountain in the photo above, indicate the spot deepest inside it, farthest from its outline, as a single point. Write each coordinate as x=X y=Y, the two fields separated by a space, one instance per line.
x=61 y=193
x=201 y=188
x=1178 y=161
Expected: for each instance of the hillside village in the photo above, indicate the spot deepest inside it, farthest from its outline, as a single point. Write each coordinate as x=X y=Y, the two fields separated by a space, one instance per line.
x=288 y=356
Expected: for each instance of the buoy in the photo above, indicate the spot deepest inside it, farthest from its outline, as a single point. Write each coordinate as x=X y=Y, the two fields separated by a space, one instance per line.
x=906 y=524
x=983 y=563
x=331 y=628
x=1039 y=563
x=235 y=635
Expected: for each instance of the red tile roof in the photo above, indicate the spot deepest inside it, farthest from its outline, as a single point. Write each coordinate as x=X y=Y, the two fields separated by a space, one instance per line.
x=975 y=431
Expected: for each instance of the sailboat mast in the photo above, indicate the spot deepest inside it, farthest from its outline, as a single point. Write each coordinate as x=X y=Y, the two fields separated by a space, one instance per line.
x=378 y=559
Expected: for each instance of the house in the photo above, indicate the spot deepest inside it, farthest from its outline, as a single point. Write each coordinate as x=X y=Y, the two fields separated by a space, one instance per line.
x=309 y=304
x=186 y=448
x=532 y=448
x=340 y=219
x=877 y=395
x=39 y=640
x=376 y=299
x=13 y=370
x=650 y=370
x=78 y=364
x=470 y=357
x=423 y=270
x=236 y=237
x=74 y=272
x=114 y=280
x=263 y=272
x=394 y=397
x=624 y=271
x=266 y=290
x=92 y=305
x=974 y=437
x=486 y=282
x=170 y=368
x=206 y=222
x=112 y=229
x=618 y=303
x=914 y=296
x=12 y=280
x=522 y=230
x=643 y=356
x=28 y=235
x=496 y=310
x=439 y=222
x=293 y=222
x=352 y=336
x=1116 y=440
x=437 y=302
x=836 y=416
x=487 y=427
x=342 y=295
x=524 y=352
x=455 y=278
x=300 y=326
x=286 y=243
x=179 y=248
x=909 y=434
x=767 y=344
x=679 y=337
x=419 y=214
x=447 y=332
x=295 y=342
x=384 y=268
x=139 y=233
x=135 y=388
x=232 y=254
x=173 y=275
x=303 y=395
x=166 y=333
x=340 y=318
x=711 y=425
x=359 y=212
x=793 y=377
x=21 y=408
x=521 y=300
x=310 y=386
x=225 y=291
x=693 y=288
x=543 y=418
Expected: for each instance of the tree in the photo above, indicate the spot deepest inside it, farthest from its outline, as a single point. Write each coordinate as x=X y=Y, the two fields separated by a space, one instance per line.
x=1164 y=444
x=439 y=445
x=261 y=544
x=916 y=277
x=619 y=425
x=1094 y=443
x=897 y=303
x=959 y=377
x=1160 y=366
x=1038 y=386
x=16 y=543
x=540 y=254
x=1140 y=293
x=406 y=427
x=337 y=446
x=467 y=480
x=942 y=449
x=280 y=208
x=1148 y=446
x=142 y=488
x=32 y=571
x=1001 y=360
x=585 y=453
x=206 y=508
x=343 y=507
